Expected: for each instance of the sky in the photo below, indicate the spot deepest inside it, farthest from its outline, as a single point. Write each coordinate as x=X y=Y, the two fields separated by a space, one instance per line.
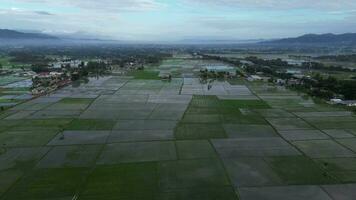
x=174 y=20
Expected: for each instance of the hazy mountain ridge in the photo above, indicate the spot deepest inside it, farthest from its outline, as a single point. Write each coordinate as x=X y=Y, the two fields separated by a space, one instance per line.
x=15 y=35
x=329 y=38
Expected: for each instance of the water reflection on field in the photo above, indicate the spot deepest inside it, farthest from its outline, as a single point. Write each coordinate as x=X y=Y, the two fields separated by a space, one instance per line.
x=20 y=84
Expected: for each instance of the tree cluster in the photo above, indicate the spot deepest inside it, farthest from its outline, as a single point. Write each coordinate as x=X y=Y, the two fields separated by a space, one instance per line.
x=329 y=87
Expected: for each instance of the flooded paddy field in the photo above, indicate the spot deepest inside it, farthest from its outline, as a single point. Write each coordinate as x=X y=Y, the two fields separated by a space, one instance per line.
x=14 y=90
x=136 y=137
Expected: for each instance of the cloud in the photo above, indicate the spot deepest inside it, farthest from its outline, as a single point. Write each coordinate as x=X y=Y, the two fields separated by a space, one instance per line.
x=153 y=20
x=100 y=5
x=43 y=13
x=279 y=4
x=23 y=12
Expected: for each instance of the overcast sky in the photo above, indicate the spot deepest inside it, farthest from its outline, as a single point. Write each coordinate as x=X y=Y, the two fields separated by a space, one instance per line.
x=161 y=20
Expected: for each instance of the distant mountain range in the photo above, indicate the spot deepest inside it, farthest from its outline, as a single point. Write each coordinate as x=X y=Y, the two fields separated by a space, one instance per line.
x=19 y=37
x=347 y=38
x=16 y=35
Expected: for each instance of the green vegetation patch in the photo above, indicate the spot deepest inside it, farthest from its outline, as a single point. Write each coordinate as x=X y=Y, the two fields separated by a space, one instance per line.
x=278 y=113
x=126 y=181
x=249 y=131
x=210 y=104
x=26 y=138
x=10 y=100
x=43 y=124
x=48 y=184
x=343 y=169
x=70 y=156
x=4 y=124
x=145 y=74
x=22 y=159
x=183 y=174
x=46 y=122
x=349 y=143
x=76 y=101
x=4 y=61
x=299 y=170
x=244 y=119
x=202 y=118
x=254 y=104
x=7 y=178
x=185 y=131
x=90 y=124
x=208 y=193
x=192 y=149
x=197 y=110
x=138 y=152
x=206 y=115
x=237 y=81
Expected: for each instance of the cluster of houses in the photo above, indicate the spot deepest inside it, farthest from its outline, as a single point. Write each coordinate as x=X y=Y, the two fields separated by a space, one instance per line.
x=44 y=83
x=218 y=71
x=349 y=103
x=67 y=63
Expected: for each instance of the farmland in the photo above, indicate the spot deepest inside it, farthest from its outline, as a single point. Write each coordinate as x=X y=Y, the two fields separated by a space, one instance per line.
x=137 y=137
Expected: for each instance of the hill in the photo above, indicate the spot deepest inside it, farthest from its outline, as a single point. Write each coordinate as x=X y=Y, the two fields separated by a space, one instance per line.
x=16 y=35
x=347 y=38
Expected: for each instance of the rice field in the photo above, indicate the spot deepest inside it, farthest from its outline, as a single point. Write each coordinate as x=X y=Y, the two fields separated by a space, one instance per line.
x=122 y=137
